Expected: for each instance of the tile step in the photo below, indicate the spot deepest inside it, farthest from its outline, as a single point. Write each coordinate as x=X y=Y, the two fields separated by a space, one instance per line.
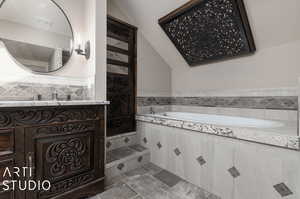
x=123 y=140
x=124 y=159
x=124 y=154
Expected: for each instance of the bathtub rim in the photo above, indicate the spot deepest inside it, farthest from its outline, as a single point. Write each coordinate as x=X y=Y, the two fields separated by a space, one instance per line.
x=238 y=133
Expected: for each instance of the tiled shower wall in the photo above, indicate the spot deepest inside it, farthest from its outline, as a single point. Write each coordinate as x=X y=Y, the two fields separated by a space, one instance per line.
x=30 y=91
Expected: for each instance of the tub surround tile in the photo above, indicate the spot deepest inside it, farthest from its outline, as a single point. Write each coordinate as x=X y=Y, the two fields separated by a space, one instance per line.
x=201 y=160
x=159 y=145
x=234 y=172
x=259 y=168
x=155 y=108
x=268 y=114
x=177 y=152
x=281 y=103
x=152 y=101
x=248 y=134
x=283 y=190
x=270 y=102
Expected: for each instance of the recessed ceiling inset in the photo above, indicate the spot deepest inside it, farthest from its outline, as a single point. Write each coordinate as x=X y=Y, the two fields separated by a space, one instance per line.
x=205 y=31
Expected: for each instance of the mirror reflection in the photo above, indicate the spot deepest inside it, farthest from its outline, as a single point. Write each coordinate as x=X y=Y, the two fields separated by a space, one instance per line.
x=37 y=34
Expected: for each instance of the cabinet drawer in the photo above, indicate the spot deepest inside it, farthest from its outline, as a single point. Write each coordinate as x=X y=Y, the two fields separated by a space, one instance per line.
x=62 y=129
x=48 y=116
x=6 y=142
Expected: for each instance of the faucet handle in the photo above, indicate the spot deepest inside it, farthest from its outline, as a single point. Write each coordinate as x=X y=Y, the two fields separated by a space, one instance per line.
x=37 y=97
x=152 y=110
x=54 y=96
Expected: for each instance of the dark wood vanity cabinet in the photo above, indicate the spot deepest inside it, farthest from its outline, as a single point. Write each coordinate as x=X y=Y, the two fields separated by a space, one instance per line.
x=64 y=145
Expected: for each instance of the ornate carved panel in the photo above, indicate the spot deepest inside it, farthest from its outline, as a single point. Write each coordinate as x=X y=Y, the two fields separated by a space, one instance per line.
x=46 y=116
x=64 y=156
x=66 y=128
x=5 y=120
x=209 y=30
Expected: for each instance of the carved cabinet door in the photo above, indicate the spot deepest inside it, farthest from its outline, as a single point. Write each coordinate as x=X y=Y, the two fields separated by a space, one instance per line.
x=69 y=155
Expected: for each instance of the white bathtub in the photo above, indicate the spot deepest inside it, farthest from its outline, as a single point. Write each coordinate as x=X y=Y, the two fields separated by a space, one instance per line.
x=221 y=120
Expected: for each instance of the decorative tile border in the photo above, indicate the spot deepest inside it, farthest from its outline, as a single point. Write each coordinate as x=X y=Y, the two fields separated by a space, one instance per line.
x=272 y=102
x=252 y=135
x=152 y=101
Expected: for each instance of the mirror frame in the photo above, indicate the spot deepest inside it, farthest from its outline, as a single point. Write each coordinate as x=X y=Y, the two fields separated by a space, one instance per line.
x=71 y=50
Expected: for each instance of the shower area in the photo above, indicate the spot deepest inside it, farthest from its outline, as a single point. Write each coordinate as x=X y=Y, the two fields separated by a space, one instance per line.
x=121 y=77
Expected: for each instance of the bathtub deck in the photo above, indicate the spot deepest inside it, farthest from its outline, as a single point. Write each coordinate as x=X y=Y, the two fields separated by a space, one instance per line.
x=257 y=135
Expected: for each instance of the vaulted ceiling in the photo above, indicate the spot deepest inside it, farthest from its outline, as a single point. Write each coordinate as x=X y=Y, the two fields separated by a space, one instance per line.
x=273 y=23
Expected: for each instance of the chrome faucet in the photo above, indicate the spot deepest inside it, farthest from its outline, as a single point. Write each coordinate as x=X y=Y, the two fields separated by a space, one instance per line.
x=152 y=110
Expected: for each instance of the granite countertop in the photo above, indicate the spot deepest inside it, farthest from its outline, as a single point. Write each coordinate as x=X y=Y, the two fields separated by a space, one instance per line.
x=51 y=103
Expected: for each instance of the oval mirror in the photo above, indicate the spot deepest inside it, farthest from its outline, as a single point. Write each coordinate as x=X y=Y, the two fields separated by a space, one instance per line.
x=37 y=33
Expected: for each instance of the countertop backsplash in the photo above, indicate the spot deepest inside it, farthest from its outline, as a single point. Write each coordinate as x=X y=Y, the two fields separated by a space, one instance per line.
x=23 y=91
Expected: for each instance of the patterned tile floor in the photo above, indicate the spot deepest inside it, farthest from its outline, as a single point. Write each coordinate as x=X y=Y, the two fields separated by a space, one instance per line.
x=152 y=182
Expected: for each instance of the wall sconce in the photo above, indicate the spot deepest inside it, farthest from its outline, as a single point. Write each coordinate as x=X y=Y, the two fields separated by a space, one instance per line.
x=2 y=2
x=87 y=50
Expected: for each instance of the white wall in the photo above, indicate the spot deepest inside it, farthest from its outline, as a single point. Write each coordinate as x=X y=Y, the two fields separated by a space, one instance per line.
x=77 y=67
x=153 y=74
x=276 y=29
x=100 y=49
